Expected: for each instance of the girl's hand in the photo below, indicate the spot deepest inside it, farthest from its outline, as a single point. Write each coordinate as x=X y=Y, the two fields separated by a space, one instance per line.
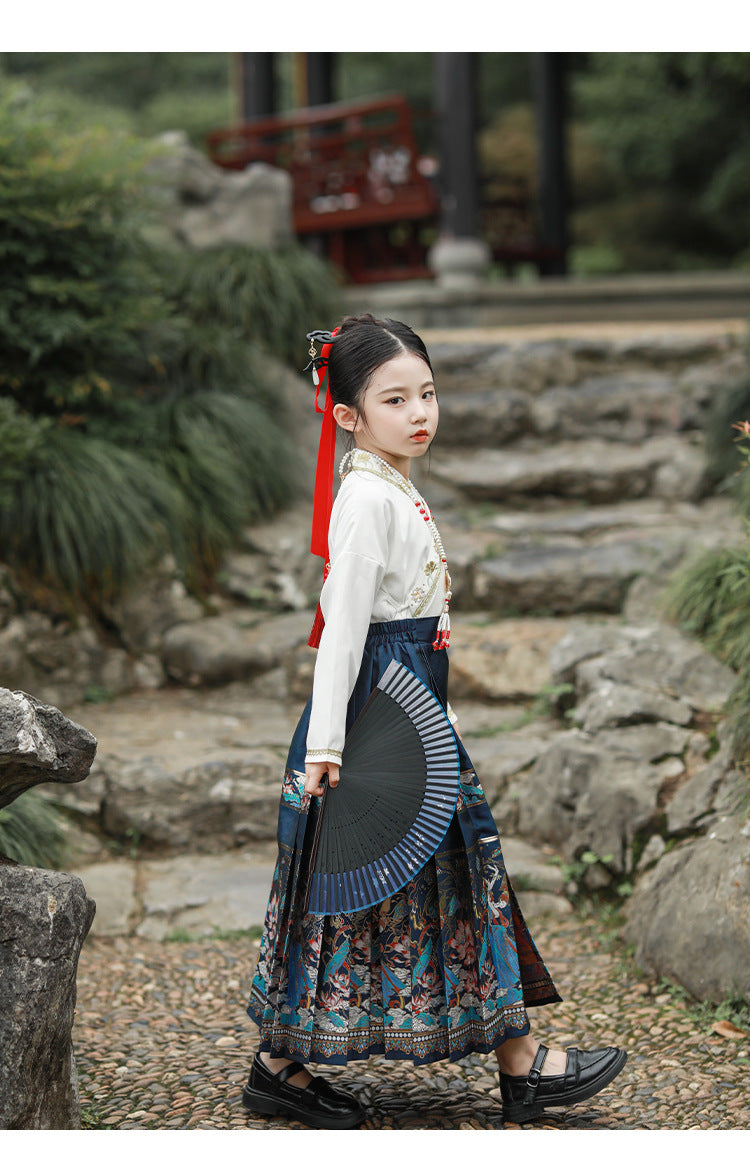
x=314 y=772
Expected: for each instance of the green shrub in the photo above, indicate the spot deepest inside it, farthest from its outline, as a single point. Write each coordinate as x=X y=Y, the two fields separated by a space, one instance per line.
x=139 y=408
x=20 y=437
x=31 y=831
x=88 y=514
x=269 y=297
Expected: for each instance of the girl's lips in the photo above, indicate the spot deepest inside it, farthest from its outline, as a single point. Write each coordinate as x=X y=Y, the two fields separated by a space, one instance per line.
x=420 y=436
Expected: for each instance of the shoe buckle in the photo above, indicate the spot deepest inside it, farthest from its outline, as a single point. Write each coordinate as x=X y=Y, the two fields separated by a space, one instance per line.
x=532 y=1082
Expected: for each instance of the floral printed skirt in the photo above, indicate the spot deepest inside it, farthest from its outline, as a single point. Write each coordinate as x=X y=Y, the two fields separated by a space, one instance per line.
x=444 y=967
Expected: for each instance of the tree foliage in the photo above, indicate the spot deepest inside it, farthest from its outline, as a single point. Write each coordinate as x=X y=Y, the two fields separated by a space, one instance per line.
x=673 y=130
x=659 y=142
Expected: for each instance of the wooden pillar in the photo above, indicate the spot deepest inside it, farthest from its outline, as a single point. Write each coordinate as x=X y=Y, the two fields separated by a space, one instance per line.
x=257 y=85
x=455 y=106
x=550 y=93
x=459 y=258
x=319 y=78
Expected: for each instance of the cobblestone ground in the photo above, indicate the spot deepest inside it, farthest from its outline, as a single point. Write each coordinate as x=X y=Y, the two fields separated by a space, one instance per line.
x=162 y=1041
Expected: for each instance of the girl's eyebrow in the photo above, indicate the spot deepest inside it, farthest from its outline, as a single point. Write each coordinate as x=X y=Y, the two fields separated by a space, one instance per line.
x=403 y=388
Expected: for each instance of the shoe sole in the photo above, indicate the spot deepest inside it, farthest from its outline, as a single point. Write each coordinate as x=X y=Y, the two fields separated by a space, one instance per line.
x=268 y=1105
x=521 y=1113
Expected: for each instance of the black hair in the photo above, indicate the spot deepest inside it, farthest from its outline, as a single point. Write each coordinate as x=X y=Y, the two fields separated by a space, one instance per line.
x=362 y=345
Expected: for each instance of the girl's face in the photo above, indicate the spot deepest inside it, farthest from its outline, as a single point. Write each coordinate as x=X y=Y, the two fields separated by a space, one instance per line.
x=399 y=413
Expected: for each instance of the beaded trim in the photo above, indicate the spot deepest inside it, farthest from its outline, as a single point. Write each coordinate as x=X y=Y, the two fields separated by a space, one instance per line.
x=323 y=753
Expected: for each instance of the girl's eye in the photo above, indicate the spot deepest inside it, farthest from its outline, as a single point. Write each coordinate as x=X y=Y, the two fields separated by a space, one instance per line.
x=429 y=393
x=393 y=401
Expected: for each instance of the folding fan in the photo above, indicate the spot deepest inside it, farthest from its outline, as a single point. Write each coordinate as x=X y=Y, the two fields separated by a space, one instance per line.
x=396 y=796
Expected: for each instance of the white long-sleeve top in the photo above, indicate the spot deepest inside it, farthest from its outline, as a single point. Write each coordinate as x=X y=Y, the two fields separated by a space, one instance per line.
x=385 y=566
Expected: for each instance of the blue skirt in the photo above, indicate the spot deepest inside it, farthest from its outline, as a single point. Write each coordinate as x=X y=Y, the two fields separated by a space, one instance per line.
x=444 y=967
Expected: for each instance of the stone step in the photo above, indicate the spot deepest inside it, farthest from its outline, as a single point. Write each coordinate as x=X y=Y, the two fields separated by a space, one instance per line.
x=612 y=305
x=497 y=387
x=595 y=471
x=575 y=559
x=535 y=359
x=563 y=580
x=618 y=408
x=198 y=895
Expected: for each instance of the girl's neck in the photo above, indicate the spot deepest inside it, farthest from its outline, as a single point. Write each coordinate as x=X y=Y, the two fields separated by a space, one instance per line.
x=360 y=459
x=402 y=465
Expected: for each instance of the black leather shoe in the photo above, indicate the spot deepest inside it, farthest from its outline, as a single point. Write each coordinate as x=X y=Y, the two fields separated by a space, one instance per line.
x=318 y=1104
x=586 y=1072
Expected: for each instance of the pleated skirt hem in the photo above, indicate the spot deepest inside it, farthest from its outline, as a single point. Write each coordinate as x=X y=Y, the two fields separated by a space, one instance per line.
x=448 y=1044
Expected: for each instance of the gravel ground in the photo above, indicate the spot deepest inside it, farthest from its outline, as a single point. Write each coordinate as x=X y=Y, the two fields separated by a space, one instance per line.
x=162 y=1041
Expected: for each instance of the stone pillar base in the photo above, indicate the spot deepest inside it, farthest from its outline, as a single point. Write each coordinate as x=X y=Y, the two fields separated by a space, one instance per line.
x=459 y=263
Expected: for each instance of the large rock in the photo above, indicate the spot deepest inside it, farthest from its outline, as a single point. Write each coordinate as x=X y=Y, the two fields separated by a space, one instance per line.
x=622 y=777
x=63 y=661
x=207 y=206
x=252 y=208
x=654 y=655
x=223 y=649
x=658 y=657
x=501 y=661
x=143 y=613
x=580 y=797
x=38 y=744
x=499 y=758
x=689 y=917
x=611 y=705
x=44 y=919
x=206 y=808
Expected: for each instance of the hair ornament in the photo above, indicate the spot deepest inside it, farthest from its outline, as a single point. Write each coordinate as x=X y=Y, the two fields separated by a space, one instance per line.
x=321 y=337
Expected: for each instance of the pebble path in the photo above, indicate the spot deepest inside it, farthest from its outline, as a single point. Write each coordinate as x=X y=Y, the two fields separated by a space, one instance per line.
x=162 y=1042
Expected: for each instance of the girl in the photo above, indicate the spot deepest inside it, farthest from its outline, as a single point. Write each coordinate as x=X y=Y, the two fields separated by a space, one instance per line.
x=445 y=966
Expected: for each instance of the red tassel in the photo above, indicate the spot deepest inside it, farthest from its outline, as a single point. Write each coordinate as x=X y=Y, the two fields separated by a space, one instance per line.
x=442 y=640
x=323 y=497
x=317 y=629
x=319 y=623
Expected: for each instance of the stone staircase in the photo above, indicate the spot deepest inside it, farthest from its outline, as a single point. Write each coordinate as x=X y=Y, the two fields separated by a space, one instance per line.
x=567 y=467
x=568 y=480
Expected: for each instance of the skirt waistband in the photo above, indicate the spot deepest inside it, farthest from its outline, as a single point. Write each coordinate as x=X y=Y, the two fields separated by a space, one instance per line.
x=415 y=629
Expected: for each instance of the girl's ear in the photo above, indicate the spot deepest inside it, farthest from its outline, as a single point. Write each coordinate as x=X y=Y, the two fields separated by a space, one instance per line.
x=345 y=416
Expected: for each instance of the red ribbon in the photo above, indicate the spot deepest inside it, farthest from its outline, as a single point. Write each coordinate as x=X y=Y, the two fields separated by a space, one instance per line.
x=323 y=498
